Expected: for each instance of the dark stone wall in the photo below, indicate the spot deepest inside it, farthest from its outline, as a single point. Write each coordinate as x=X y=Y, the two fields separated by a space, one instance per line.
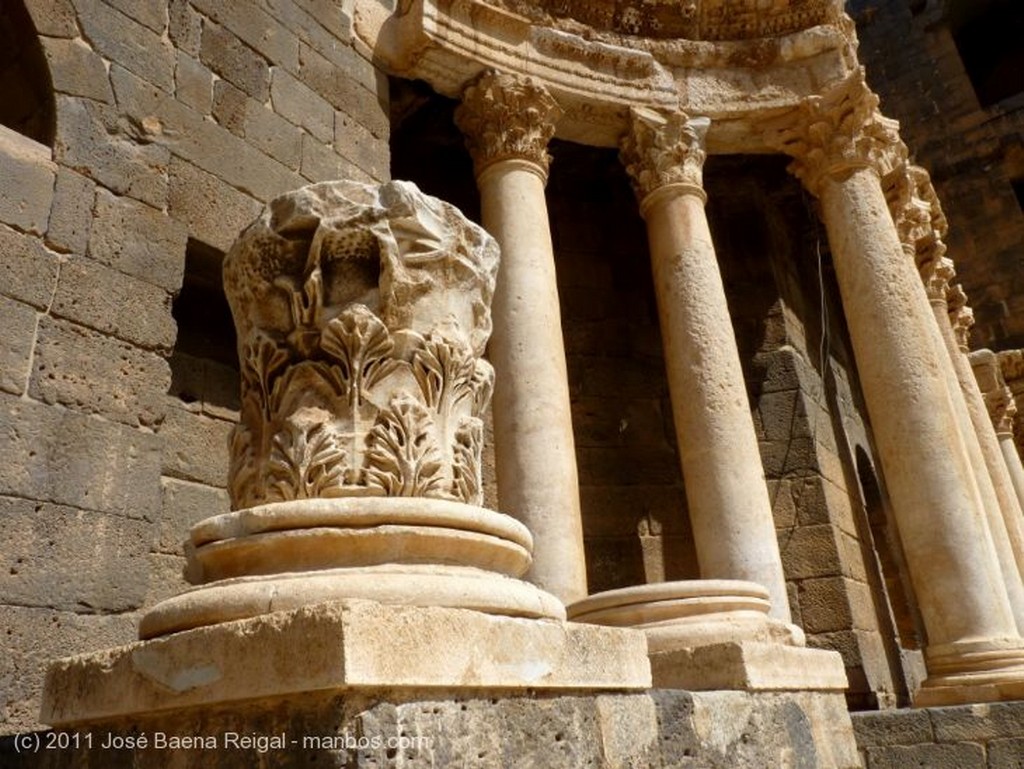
x=975 y=154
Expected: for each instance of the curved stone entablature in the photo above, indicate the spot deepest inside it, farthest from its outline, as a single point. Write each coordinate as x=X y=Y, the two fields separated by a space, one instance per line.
x=678 y=19
x=596 y=74
x=362 y=313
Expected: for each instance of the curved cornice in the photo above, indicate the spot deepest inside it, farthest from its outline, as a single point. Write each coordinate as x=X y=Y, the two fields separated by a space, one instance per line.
x=596 y=77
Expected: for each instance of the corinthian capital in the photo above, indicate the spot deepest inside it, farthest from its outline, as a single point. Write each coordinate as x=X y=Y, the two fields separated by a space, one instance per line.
x=961 y=317
x=662 y=149
x=997 y=394
x=840 y=132
x=505 y=117
x=917 y=213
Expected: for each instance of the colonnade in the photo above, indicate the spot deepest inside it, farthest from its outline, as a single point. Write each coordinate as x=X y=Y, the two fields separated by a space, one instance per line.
x=953 y=496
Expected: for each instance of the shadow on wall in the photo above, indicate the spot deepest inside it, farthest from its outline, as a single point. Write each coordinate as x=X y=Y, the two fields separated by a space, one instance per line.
x=27 y=105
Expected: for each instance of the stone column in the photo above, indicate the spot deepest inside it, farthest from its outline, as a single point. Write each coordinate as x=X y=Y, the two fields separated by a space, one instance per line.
x=1002 y=409
x=973 y=650
x=730 y=512
x=508 y=122
x=921 y=226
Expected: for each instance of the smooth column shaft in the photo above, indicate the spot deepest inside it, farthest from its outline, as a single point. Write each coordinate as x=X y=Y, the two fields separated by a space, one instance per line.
x=730 y=513
x=535 y=453
x=949 y=551
x=976 y=427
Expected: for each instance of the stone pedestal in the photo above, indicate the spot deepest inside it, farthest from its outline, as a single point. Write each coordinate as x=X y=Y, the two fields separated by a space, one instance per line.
x=357 y=561
x=350 y=647
x=713 y=635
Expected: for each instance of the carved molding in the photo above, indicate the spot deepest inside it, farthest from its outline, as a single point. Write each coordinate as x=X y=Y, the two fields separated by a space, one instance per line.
x=710 y=20
x=840 y=132
x=662 y=149
x=362 y=313
x=505 y=117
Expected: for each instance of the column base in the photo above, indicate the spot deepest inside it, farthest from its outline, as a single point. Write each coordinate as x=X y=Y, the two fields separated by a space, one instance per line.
x=715 y=634
x=349 y=646
x=981 y=671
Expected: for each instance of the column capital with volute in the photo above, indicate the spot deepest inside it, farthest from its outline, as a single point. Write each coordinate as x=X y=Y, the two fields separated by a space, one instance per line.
x=508 y=117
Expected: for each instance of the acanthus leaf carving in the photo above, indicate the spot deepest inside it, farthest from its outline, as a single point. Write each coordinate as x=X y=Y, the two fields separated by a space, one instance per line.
x=507 y=117
x=403 y=458
x=360 y=356
x=839 y=132
x=664 y=148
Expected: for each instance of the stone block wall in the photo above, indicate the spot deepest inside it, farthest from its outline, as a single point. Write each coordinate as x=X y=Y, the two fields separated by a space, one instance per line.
x=961 y=737
x=175 y=121
x=974 y=154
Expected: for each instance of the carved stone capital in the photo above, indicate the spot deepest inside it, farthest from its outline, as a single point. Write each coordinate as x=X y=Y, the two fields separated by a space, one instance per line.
x=998 y=396
x=505 y=117
x=1011 y=364
x=362 y=315
x=961 y=316
x=664 y=149
x=842 y=131
x=920 y=223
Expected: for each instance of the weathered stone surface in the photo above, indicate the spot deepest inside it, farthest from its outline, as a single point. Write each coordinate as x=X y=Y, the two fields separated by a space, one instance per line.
x=195 y=447
x=348 y=94
x=959 y=756
x=122 y=39
x=89 y=372
x=213 y=211
x=321 y=163
x=351 y=645
x=809 y=551
x=77 y=70
x=201 y=141
x=107 y=300
x=54 y=18
x=90 y=141
x=358 y=145
x=56 y=455
x=72 y=560
x=193 y=84
x=892 y=727
x=18 y=322
x=71 y=213
x=256 y=28
x=28 y=174
x=184 y=504
x=978 y=723
x=151 y=13
x=166 y=577
x=394 y=279
x=273 y=135
x=184 y=26
x=138 y=240
x=226 y=55
x=1005 y=754
x=36 y=637
x=301 y=105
